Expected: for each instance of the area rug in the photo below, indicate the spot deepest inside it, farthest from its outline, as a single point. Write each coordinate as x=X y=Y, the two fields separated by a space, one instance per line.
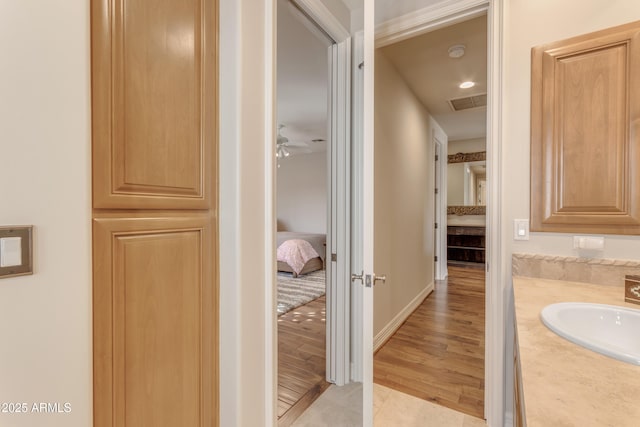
x=294 y=292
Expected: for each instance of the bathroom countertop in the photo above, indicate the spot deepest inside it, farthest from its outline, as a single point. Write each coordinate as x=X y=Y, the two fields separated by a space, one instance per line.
x=565 y=384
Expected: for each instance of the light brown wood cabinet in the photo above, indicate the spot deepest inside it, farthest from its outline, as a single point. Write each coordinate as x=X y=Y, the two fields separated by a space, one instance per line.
x=154 y=157
x=154 y=104
x=585 y=133
x=154 y=320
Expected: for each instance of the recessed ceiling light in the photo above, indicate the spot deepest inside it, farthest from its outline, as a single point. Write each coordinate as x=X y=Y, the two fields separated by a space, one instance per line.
x=456 y=51
x=466 y=85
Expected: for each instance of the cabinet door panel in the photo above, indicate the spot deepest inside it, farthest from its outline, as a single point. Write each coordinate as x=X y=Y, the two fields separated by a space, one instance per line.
x=154 y=322
x=585 y=144
x=153 y=103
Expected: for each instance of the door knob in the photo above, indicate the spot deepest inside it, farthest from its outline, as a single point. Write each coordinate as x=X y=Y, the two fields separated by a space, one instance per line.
x=382 y=278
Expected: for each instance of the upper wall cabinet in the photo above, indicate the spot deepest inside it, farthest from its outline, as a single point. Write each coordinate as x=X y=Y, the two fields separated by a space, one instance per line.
x=154 y=109
x=585 y=133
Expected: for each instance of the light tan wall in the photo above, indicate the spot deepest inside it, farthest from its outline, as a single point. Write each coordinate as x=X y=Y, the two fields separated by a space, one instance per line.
x=455 y=184
x=255 y=206
x=45 y=318
x=467 y=145
x=403 y=238
x=302 y=193
x=528 y=24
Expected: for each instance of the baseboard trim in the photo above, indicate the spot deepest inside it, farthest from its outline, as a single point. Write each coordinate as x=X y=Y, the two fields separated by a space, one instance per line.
x=395 y=323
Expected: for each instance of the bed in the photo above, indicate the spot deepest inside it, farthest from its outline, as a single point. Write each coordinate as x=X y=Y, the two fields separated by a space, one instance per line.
x=300 y=243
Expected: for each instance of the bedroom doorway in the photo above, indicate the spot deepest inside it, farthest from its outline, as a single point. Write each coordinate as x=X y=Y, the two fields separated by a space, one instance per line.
x=310 y=131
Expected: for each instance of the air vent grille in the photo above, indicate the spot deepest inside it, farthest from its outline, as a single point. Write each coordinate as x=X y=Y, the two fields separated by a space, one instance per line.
x=469 y=102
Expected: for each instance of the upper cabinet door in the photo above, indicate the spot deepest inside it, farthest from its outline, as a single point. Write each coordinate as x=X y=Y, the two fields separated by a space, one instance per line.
x=154 y=108
x=585 y=133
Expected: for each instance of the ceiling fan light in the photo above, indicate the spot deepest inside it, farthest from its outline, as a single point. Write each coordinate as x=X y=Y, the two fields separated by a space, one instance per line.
x=467 y=85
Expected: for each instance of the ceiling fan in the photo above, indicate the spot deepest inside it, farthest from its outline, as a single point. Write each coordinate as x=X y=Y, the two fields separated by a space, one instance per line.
x=285 y=147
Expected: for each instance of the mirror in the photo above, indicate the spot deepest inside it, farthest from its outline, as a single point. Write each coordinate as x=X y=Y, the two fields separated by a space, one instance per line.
x=467 y=179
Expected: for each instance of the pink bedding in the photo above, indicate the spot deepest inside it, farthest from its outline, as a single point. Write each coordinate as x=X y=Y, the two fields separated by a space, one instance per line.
x=296 y=253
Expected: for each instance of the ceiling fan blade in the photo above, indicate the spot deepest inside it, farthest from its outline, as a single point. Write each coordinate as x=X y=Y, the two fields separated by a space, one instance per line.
x=296 y=144
x=296 y=149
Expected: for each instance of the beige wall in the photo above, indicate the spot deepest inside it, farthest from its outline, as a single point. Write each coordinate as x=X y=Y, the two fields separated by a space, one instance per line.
x=467 y=145
x=302 y=193
x=247 y=247
x=45 y=318
x=403 y=238
x=528 y=24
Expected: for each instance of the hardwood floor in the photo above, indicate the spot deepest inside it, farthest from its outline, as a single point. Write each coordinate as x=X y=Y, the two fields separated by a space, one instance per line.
x=438 y=353
x=301 y=359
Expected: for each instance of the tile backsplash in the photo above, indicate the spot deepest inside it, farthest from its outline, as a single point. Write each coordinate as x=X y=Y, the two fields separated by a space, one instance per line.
x=574 y=269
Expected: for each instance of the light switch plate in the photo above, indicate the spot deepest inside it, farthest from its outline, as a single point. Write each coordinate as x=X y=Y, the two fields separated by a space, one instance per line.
x=520 y=229
x=10 y=251
x=16 y=251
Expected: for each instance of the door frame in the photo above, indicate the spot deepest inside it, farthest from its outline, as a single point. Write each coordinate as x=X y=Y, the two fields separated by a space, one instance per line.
x=338 y=339
x=238 y=198
x=338 y=307
x=440 y=142
x=429 y=19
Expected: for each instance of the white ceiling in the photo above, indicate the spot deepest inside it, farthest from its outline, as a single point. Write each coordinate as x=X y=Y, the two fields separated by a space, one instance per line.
x=424 y=63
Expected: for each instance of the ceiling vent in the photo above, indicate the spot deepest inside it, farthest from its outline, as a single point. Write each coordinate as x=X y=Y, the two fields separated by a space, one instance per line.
x=468 y=102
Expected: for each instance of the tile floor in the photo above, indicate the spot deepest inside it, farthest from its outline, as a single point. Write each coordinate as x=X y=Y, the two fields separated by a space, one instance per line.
x=341 y=407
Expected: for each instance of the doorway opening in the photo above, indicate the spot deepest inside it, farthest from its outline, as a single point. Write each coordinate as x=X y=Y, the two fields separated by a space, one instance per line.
x=302 y=200
x=435 y=350
x=312 y=204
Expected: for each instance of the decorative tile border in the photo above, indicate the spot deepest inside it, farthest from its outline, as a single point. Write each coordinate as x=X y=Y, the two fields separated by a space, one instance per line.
x=467 y=157
x=466 y=210
x=599 y=271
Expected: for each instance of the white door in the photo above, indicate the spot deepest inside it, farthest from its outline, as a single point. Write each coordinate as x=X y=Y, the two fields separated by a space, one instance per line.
x=368 y=267
x=362 y=214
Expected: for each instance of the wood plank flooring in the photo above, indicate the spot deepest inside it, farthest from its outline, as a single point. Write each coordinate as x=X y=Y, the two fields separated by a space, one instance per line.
x=301 y=359
x=438 y=353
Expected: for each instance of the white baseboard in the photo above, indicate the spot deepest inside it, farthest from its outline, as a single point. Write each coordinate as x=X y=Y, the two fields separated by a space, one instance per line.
x=391 y=328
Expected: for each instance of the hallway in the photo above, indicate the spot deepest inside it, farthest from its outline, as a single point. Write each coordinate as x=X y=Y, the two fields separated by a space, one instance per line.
x=438 y=353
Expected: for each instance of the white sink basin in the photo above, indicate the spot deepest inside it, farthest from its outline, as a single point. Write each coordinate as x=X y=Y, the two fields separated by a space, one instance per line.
x=607 y=329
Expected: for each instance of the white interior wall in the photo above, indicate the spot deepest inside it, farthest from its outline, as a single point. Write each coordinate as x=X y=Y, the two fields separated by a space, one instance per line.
x=404 y=201
x=302 y=193
x=45 y=175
